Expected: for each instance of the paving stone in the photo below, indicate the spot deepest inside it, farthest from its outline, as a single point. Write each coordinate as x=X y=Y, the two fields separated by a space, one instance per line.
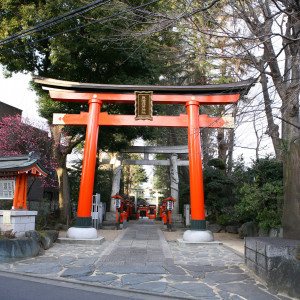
x=99 y=278
x=180 y=278
x=116 y=283
x=133 y=269
x=199 y=275
x=218 y=277
x=4 y=266
x=66 y=260
x=234 y=297
x=134 y=279
x=156 y=287
x=234 y=269
x=206 y=268
x=225 y=295
x=43 y=260
x=195 y=289
x=41 y=268
x=178 y=294
x=249 y=292
x=112 y=263
x=174 y=270
x=75 y=272
x=85 y=261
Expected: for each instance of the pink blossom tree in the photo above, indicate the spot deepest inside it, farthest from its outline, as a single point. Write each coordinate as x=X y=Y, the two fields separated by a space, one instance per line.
x=18 y=137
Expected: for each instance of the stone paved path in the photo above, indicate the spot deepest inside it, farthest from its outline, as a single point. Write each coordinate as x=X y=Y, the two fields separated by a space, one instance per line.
x=140 y=259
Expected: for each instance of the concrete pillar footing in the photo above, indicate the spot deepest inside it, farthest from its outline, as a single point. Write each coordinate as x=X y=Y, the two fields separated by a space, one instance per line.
x=82 y=233
x=198 y=236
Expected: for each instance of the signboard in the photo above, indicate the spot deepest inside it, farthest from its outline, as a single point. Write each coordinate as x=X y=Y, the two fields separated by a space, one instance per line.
x=143 y=105
x=6 y=217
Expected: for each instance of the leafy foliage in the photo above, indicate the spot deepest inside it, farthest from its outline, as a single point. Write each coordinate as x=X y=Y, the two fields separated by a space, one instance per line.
x=132 y=175
x=262 y=204
x=217 y=187
x=249 y=194
x=260 y=194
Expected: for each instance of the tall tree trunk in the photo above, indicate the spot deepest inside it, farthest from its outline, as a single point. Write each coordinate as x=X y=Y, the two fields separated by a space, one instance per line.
x=273 y=129
x=231 y=138
x=64 y=197
x=291 y=207
x=64 y=193
x=221 y=139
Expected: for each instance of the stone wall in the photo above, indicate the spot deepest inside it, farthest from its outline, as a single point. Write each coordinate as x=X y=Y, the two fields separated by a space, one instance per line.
x=19 y=221
x=274 y=261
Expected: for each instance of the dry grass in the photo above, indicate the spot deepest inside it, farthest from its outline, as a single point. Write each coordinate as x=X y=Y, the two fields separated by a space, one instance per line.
x=9 y=234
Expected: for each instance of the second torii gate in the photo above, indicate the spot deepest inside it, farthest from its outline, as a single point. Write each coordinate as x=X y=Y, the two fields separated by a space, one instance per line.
x=97 y=94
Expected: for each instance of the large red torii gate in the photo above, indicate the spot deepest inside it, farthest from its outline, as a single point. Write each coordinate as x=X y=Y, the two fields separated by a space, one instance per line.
x=97 y=94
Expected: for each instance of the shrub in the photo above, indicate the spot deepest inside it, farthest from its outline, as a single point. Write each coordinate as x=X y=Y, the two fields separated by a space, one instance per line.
x=262 y=204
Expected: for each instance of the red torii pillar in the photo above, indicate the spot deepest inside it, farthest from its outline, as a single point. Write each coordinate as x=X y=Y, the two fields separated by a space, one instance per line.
x=85 y=200
x=196 y=175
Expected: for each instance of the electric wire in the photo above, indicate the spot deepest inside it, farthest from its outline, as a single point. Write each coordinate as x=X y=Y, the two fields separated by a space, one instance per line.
x=83 y=26
x=55 y=21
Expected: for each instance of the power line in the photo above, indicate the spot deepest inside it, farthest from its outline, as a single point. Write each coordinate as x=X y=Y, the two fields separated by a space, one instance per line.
x=85 y=25
x=54 y=21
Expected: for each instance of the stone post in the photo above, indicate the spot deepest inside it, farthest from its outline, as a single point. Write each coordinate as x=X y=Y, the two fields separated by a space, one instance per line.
x=117 y=169
x=174 y=181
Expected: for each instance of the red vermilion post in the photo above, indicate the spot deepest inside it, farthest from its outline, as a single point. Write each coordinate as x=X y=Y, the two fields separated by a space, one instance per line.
x=88 y=166
x=196 y=176
x=24 y=187
x=20 y=196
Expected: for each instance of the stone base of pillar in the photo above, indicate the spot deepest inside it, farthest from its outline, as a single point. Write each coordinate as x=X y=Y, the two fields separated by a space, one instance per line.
x=198 y=236
x=82 y=233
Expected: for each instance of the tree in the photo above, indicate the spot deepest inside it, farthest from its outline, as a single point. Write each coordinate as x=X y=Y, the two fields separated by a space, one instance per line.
x=267 y=20
x=259 y=193
x=91 y=53
x=217 y=188
x=132 y=175
x=19 y=137
x=264 y=34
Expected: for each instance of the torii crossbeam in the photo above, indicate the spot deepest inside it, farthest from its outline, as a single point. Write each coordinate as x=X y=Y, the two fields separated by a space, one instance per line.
x=190 y=96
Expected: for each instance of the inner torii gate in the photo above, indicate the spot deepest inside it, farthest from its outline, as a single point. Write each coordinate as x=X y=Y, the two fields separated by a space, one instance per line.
x=97 y=94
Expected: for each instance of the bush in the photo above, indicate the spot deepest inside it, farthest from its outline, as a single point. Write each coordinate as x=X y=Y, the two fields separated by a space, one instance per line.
x=228 y=218
x=262 y=204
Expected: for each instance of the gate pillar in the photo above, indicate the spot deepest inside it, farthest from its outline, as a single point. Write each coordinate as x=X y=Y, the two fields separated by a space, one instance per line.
x=196 y=176
x=84 y=218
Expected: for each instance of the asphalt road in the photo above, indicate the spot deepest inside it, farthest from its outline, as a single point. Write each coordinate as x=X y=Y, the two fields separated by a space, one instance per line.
x=17 y=287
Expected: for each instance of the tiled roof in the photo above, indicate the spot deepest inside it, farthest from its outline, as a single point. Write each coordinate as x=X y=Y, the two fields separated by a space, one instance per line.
x=20 y=163
x=227 y=88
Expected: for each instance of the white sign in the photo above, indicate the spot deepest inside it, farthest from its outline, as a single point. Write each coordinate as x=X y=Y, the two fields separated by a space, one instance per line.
x=6 y=218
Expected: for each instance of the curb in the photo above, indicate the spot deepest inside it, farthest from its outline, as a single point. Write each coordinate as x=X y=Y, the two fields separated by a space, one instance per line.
x=91 y=287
